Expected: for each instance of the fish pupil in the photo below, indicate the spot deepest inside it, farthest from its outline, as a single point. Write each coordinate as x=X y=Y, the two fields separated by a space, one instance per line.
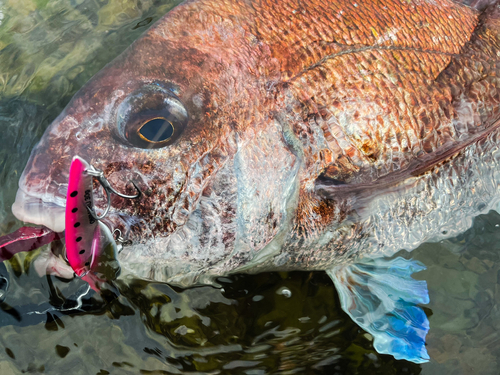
x=156 y=130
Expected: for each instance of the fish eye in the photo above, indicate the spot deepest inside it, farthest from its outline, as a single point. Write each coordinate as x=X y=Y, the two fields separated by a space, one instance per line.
x=156 y=130
x=151 y=117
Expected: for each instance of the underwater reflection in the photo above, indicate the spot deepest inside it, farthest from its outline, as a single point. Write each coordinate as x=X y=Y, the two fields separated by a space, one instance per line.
x=252 y=324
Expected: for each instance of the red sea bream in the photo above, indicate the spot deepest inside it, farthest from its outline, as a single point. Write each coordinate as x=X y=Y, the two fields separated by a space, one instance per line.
x=291 y=135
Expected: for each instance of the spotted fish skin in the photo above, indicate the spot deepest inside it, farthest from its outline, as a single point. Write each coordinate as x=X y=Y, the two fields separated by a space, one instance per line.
x=317 y=131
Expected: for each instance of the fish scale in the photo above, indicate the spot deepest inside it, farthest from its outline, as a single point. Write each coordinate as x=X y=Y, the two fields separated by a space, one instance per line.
x=356 y=24
x=431 y=121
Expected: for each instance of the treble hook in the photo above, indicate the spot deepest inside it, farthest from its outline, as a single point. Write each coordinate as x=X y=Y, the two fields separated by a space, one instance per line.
x=97 y=173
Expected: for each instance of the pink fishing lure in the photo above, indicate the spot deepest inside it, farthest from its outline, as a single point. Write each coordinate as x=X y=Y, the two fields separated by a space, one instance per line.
x=81 y=227
x=86 y=237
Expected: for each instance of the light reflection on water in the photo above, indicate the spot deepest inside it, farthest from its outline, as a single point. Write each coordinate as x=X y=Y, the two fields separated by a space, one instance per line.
x=270 y=323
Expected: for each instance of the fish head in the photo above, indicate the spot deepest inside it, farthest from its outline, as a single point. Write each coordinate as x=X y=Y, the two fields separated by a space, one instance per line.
x=188 y=121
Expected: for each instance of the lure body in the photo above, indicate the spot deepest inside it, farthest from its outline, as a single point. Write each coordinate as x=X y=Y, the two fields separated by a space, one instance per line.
x=82 y=229
x=89 y=242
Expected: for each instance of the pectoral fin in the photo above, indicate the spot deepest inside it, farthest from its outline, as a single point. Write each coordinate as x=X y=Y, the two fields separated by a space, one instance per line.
x=382 y=298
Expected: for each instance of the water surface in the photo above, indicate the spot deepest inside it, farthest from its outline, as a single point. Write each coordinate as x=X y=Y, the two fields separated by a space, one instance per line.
x=280 y=323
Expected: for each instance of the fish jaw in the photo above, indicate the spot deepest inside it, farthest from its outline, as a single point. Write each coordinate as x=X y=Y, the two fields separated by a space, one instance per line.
x=32 y=209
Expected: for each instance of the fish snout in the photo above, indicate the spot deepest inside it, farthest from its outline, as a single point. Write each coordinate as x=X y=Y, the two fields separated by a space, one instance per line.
x=41 y=196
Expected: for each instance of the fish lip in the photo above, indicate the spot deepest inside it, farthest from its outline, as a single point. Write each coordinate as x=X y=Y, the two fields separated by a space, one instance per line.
x=33 y=209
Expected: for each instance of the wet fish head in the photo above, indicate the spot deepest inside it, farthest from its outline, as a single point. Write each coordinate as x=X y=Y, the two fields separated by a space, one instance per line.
x=186 y=115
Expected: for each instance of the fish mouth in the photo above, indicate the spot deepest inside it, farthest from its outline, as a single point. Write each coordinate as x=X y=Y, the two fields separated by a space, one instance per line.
x=35 y=210
x=32 y=209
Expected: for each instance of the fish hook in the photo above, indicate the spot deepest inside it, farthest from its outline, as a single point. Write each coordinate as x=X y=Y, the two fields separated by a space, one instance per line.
x=97 y=173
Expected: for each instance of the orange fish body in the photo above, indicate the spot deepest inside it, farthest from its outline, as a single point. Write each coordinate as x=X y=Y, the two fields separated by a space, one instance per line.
x=280 y=135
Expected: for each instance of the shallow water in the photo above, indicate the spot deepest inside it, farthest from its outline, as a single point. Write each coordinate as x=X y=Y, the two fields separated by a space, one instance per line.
x=286 y=323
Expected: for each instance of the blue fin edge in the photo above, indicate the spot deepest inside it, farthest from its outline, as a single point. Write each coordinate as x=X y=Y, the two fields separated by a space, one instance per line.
x=382 y=298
